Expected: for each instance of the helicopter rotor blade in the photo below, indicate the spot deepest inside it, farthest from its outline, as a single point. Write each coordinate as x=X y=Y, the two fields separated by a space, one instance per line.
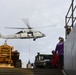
x=50 y=26
x=26 y=21
x=14 y=28
x=47 y=26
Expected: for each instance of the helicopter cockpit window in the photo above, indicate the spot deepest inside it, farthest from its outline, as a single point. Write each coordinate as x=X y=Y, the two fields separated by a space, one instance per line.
x=30 y=33
x=39 y=32
x=19 y=32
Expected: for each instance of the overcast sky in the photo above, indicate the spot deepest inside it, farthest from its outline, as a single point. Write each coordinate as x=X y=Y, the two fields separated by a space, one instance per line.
x=40 y=13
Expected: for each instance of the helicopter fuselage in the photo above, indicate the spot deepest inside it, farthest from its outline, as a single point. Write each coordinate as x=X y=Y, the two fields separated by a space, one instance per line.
x=25 y=35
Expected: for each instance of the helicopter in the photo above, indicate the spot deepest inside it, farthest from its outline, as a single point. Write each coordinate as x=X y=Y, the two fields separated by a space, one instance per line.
x=26 y=33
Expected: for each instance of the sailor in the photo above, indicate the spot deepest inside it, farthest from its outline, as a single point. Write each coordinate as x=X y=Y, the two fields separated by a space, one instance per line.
x=60 y=49
x=55 y=60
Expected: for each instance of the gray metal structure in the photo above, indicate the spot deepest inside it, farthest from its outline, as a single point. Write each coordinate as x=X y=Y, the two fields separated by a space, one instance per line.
x=70 y=19
x=70 y=42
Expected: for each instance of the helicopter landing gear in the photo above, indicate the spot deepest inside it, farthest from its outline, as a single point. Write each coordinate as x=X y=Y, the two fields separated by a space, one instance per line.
x=34 y=39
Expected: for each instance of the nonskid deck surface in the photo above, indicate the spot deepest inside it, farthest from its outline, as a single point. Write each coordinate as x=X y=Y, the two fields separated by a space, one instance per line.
x=24 y=71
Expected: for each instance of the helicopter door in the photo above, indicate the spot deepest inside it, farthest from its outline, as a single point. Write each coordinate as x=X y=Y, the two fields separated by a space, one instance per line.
x=30 y=34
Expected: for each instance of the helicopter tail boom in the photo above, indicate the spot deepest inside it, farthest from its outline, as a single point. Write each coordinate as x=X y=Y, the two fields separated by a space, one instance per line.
x=1 y=36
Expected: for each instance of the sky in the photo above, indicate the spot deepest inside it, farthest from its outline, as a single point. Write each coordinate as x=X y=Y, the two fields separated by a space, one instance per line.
x=40 y=13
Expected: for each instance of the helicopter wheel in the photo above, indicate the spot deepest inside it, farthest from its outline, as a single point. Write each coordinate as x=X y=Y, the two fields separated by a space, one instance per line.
x=34 y=39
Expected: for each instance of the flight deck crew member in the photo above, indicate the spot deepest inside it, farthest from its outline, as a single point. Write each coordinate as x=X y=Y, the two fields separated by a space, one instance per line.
x=55 y=60
x=60 y=49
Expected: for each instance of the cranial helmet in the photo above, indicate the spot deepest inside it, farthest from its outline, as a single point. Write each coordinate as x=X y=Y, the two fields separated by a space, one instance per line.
x=61 y=38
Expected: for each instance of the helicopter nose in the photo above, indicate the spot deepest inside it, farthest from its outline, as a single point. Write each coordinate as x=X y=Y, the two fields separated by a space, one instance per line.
x=43 y=35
